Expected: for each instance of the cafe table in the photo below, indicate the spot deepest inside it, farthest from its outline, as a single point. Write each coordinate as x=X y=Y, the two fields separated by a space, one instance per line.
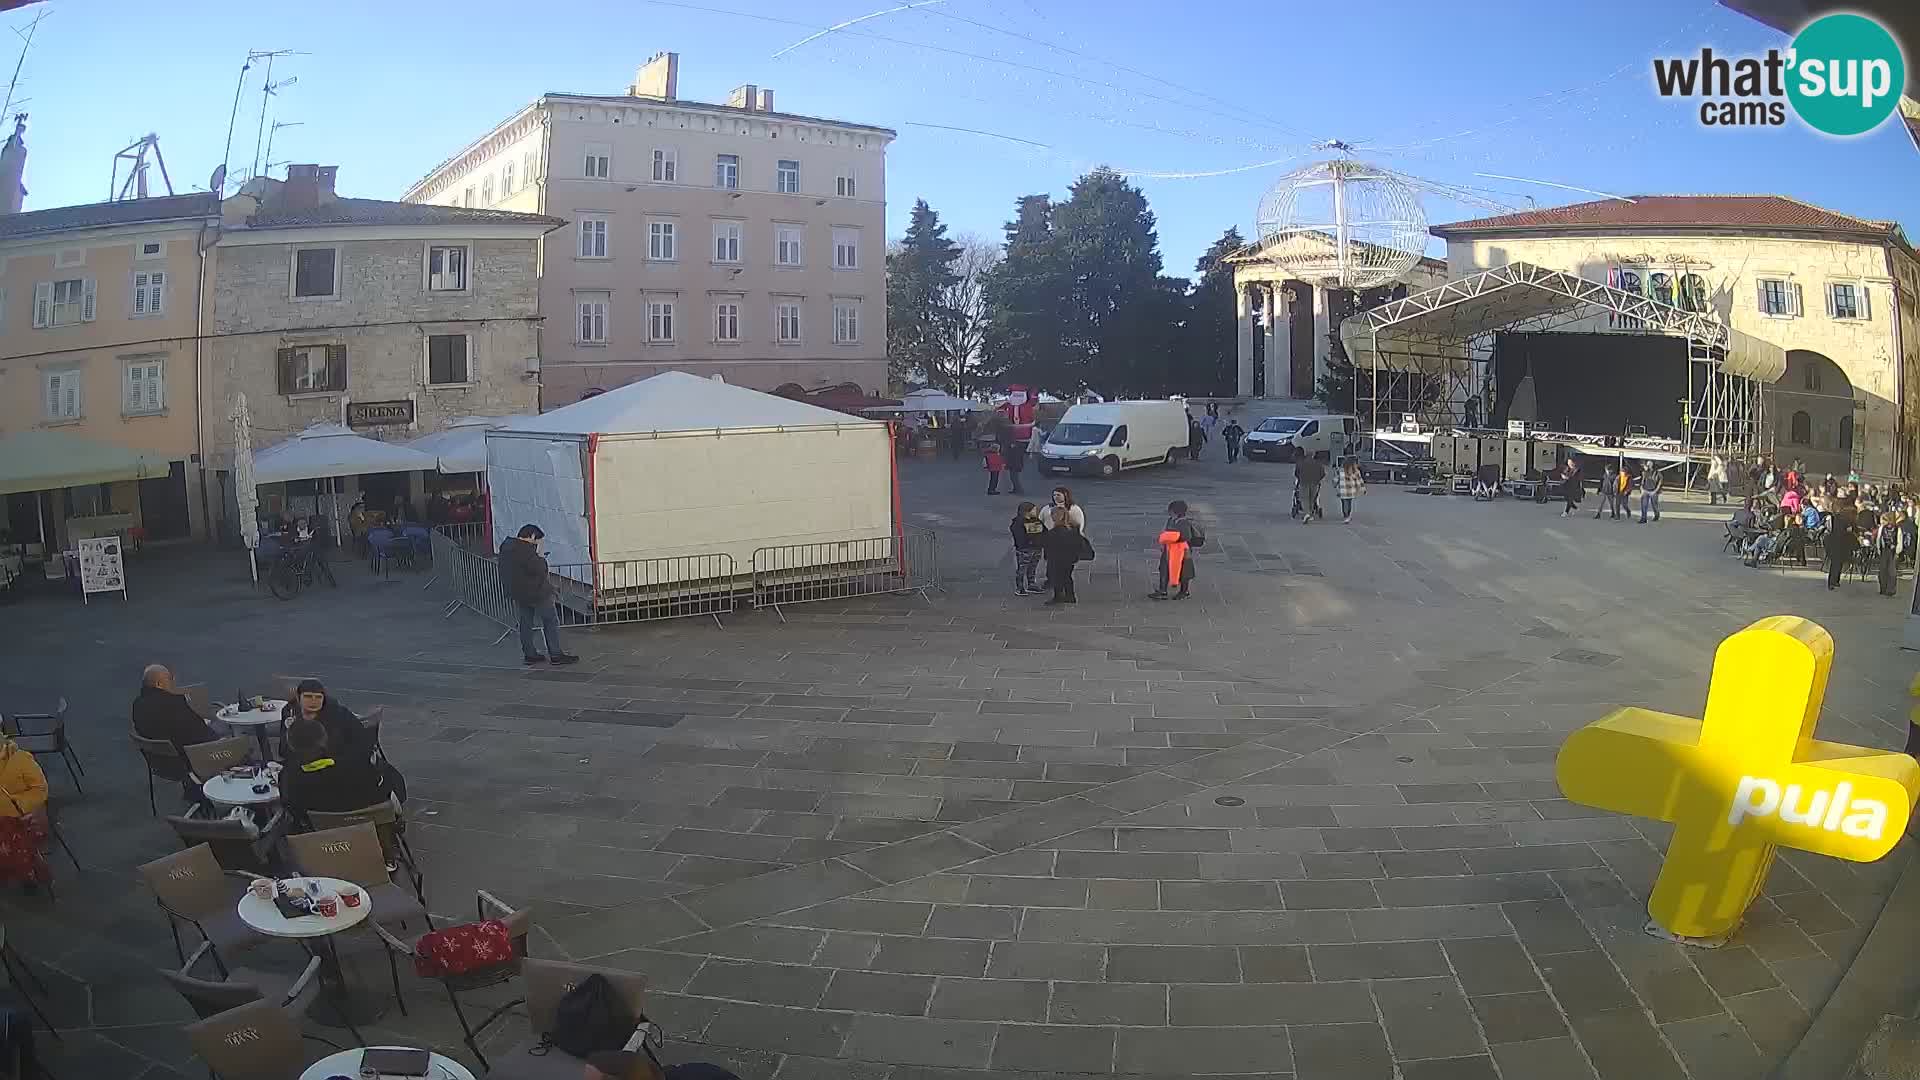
x=238 y=790
x=257 y=719
x=316 y=933
x=347 y=1063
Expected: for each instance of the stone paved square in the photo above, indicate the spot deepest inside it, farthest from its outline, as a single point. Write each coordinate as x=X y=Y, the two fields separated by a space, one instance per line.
x=1301 y=825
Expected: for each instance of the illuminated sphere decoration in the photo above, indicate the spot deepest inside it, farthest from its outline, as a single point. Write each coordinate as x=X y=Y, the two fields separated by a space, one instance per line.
x=1343 y=224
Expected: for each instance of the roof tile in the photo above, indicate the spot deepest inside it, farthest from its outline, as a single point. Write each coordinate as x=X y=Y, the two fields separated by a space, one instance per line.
x=1690 y=211
x=344 y=211
x=101 y=215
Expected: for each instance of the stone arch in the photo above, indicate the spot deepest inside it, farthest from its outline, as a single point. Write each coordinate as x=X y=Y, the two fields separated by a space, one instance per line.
x=1813 y=413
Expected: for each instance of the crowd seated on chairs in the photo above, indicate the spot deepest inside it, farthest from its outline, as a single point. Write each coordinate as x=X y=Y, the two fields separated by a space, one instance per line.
x=1865 y=529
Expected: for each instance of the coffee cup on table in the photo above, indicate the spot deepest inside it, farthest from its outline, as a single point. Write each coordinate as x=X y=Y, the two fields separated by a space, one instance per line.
x=263 y=888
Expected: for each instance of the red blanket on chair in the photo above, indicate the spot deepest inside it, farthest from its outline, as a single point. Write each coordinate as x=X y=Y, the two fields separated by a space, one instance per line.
x=21 y=842
x=458 y=950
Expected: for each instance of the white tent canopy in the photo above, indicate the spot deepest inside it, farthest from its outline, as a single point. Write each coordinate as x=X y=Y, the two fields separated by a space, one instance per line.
x=931 y=401
x=674 y=401
x=462 y=446
x=329 y=450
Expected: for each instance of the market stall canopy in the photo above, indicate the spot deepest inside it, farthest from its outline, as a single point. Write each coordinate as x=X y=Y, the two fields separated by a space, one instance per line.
x=462 y=447
x=931 y=401
x=674 y=401
x=325 y=450
x=43 y=460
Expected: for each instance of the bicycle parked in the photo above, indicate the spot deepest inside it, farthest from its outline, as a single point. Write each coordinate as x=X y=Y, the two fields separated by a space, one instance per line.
x=296 y=567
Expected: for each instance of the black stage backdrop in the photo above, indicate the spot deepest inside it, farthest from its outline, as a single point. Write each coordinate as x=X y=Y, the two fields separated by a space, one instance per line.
x=1595 y=384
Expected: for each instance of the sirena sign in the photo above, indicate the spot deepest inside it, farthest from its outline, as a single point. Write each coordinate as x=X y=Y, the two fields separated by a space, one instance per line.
x=1746 y=779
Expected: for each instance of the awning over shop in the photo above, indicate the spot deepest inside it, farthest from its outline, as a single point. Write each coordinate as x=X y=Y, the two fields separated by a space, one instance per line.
x=325 y=450
x=1433 y=331
x=42 y=460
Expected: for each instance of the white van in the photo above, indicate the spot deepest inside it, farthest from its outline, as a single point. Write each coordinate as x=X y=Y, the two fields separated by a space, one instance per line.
x=1286 y=438
x=1101 y=440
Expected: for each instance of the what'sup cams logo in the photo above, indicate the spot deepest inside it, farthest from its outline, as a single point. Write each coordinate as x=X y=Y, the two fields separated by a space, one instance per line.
x=1842 y=74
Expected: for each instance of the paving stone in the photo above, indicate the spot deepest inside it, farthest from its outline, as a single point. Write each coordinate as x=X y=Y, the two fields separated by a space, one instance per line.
x=1438 y=923
x=1341 y=1051
x=1531 y=857
x=970 y=921
x=1132 y=839
x=1714 y=1046
x=725 y=845
x=1271 y=1003
x=1560 y=1059
x=1172 y=964
x=1519 y=1017
x=1275 y=963
x=1772 y=1018
x=932 y=956
x=1305 y=895
x=769 y=984
x=1127 y=1004
x=765 y=1027
x=1189 y=1051
x=843 y=949
x=1121 y=895
x=1441 y=793
x=1484 y=889
x=1427 y=1018
x=783 y=890
x=1066 y=1049
x=989 y=999
x=1624 y=1045
x=1477 y=1067
x=1264 y=866
x=1732 y=969
x=1363 y=864
x=1368 y=839
x=776 y=944
x=1379 y=960
x=1548 y=926
x=1027 y=891
x=1218 y=896
x=1118 y=864
x=916 y=1041
x=875 y=916
x=878 y=992
x=1585 y=983
x=1045 y=960
x=1424 y=863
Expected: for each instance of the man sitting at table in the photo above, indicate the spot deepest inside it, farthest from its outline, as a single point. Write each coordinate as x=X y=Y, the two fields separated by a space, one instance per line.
x=165 y=715
x=318 y=777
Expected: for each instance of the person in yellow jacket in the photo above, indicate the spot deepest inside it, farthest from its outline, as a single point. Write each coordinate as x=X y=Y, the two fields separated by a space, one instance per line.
x=22 y=782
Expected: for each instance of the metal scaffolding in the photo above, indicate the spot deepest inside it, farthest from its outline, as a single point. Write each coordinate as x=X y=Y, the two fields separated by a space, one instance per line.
x=1430 y=353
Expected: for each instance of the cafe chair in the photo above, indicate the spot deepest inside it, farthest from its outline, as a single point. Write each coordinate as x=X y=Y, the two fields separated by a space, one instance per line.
x=197 y=696
x=353 y=853
x=391 y=825
x=260 y=1040
x=238 y=845
x=371 y=720
x=46 y=733
x=487 y=906
x=547 y=981
x=20 y=974
x=242 y=986
x=164 y=760
x=191 y=887
x=209 y=759
x=385 y=549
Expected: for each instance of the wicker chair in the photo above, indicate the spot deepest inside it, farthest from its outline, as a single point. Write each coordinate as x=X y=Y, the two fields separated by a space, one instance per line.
x=487 y=906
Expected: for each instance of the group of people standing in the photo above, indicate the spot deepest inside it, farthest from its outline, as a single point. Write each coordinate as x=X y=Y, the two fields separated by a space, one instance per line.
x=1617 y=482
x=1056 y=533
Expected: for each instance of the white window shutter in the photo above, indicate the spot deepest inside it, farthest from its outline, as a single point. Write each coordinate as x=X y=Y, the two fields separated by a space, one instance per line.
x=86 y=306
x=153 y=386
x=135 y=394
x=53 y=397
x=1832 y=305
x=1866 y=305
x=1797 y=298
x=156 y=291
x=43 y=303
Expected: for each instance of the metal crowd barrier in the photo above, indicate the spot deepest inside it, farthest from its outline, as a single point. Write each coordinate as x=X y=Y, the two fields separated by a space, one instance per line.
x=471 y=579
x=643 y=590
x=906 y=562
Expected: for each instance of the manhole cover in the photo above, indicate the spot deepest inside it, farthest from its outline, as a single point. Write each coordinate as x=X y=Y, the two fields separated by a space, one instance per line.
x=1230 y=800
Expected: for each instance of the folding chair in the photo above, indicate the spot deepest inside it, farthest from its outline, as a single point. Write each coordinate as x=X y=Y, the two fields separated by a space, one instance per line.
x=49 y=733
x=487 y=906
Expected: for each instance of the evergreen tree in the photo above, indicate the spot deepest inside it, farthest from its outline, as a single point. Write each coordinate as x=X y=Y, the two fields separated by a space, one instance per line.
x=1025 y=301
x=1210 y=352
x=1109 y=266
x=919 y=274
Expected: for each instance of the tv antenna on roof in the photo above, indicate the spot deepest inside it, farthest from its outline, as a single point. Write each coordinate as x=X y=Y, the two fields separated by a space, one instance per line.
x=136 y=184
x=271 y=132
x=240 y=84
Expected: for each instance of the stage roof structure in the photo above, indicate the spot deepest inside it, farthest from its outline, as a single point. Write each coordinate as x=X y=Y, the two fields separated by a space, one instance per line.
x=1434 y=332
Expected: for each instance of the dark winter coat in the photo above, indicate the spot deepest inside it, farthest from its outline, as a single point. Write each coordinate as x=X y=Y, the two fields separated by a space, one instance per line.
x=333 y=783
x=168 y=717
x=525 y=572
x=1062 y=547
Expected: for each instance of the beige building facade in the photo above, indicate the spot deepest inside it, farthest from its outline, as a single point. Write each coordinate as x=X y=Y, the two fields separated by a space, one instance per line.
x=393 y=319
x=99 y=323
x=728 y=239
x=1838 y=293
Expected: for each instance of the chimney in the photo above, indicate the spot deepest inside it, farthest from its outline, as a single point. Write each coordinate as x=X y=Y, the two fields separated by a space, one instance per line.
x=659 y=77
x=766 y=100
x=307 y=187
x=13 y=166
x=744 y=97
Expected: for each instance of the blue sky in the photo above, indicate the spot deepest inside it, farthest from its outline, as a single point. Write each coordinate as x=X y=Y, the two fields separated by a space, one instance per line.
x=1442 y=91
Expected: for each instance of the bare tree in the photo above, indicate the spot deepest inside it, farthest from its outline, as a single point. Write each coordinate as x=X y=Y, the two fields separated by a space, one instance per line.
x=958 y=358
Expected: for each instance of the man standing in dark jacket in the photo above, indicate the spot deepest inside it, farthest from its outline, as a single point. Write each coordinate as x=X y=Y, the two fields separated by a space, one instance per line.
x=532 y=590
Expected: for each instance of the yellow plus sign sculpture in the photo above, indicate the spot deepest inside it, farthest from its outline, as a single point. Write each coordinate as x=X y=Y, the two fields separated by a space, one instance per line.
x=1747 y=778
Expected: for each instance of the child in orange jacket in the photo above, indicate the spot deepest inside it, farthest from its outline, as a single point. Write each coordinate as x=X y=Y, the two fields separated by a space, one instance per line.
x=1176 y=543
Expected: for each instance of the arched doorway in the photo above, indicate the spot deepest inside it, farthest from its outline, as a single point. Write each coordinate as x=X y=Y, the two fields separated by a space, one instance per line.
x=1813 y=414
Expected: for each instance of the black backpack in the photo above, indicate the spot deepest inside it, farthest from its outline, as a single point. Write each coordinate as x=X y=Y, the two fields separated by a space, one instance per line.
x=591 y=1017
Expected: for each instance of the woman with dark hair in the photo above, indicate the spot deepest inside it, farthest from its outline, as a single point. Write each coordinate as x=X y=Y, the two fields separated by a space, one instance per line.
x=1064 y=511
x=312 y=702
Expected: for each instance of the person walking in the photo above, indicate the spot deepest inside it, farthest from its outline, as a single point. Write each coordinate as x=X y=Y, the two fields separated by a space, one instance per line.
x=1650 y=487
x=1609 y=492
x=1573 y=486
x=1716 y=480
x=1233 y=434
x=1196 y=438
x=1349 y=485
x=531 y=587
x=1016 y=454
x=991 y=461
x=1886 y=544
x=1307 y=475
x=1028 y=532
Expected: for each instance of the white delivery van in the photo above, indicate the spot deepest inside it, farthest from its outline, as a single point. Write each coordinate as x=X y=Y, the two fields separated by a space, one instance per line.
x=1286 y=438
x=1102 y=439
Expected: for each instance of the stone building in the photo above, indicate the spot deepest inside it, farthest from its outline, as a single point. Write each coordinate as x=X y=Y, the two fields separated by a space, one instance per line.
x=728 y=239
x=1285 y=324
x=1837 y=292
x=392 y=318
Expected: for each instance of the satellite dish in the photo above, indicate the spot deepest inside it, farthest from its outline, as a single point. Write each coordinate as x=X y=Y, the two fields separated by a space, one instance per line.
x=218 y=181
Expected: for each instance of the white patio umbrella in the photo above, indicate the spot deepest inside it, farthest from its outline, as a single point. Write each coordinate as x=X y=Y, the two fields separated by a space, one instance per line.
x=462 y=446
x=329 y=451
x=932 y=401
x=246 y=495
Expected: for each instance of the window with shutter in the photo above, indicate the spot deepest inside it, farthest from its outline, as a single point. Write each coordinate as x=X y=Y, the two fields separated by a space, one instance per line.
x=447 y=360
x=43 y=304
x=1866 y=305
x=314 y=273
x=149 y=292
x=336 y=367
x=86 y=303
x=144 y=393
x=63 y=394
x=313 y=369
x=446 y=269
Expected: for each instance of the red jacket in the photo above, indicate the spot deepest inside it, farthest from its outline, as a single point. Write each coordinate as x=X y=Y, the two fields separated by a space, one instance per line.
x=992 y=461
